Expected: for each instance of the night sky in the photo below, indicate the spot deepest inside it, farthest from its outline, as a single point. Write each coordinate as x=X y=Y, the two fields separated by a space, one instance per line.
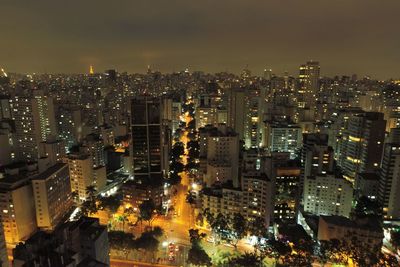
x=346 y=36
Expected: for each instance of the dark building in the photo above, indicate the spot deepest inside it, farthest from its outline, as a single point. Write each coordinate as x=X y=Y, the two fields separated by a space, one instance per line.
x=150 y=139
x=80 y=243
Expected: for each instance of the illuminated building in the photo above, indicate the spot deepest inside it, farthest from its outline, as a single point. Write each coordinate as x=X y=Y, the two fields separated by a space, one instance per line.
x=309 y=83
x=54 y=150
x=81 y=174
x=257 y=196
x=17 y=207
x=222 y=156
x=286 y=191
x=327 y=195
x=317 y=157
x=52 y=195
x=34 y=123
x=282 y=137
x=362 y=144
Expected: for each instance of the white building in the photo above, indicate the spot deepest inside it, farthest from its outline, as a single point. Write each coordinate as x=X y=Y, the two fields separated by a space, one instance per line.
x=327 y=195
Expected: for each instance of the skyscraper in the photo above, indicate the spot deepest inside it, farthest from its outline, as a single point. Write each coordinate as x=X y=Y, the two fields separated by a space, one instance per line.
x=150 y=139
x=309 y=83
x=34 y=123
x=389 y=187
x=362 y=144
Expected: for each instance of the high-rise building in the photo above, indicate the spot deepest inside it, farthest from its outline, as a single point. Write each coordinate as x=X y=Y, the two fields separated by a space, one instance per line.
x=389 y=188
x=362 y=144
x=34 y=123
x=81 y=174
x=309 y=83
x=257 y=196
x=282 y=137
x=150 y=139
x=17 y=208
x=327 y=195
x=317 y=157
x=52 y=195
x=222 y=156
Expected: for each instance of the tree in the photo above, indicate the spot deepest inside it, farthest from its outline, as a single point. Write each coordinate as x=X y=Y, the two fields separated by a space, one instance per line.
x=198 y=257
x=190 y=198
x=209 y=216
x=75 y=196
x=246 y=259
x=176 y=166
x=196 y=236
x=239 y=227
x=193 y=149
x=174 y=178
x=220 y=227
x=112 y=203
x=146 y=210
x=121 y=241
x=177 y=151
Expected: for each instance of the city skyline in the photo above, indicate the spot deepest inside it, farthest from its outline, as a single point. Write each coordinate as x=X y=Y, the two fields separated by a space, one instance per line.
x=347 y=37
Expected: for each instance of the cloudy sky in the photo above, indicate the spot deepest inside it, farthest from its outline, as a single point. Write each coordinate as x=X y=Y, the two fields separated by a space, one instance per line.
x=346 y=36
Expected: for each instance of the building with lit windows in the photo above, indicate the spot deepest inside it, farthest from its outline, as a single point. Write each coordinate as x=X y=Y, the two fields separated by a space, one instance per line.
x=389 y=187
x=52 y=195
x=34 y=123
x=222 y=156
x=362 y=144
x=81 y=174
x=327 y=195
x=309 y=83
x=282 y=137
x=17 y=207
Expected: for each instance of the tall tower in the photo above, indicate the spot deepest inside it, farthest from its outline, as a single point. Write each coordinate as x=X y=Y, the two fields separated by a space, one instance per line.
x=34 y=123
x=389 y=184
x=150 y=140
x=309 y=83
x=91 y=70
x=362 y=144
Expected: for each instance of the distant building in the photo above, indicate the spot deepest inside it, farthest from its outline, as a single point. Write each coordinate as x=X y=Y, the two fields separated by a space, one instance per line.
x=34 y=123
x=309 y=83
